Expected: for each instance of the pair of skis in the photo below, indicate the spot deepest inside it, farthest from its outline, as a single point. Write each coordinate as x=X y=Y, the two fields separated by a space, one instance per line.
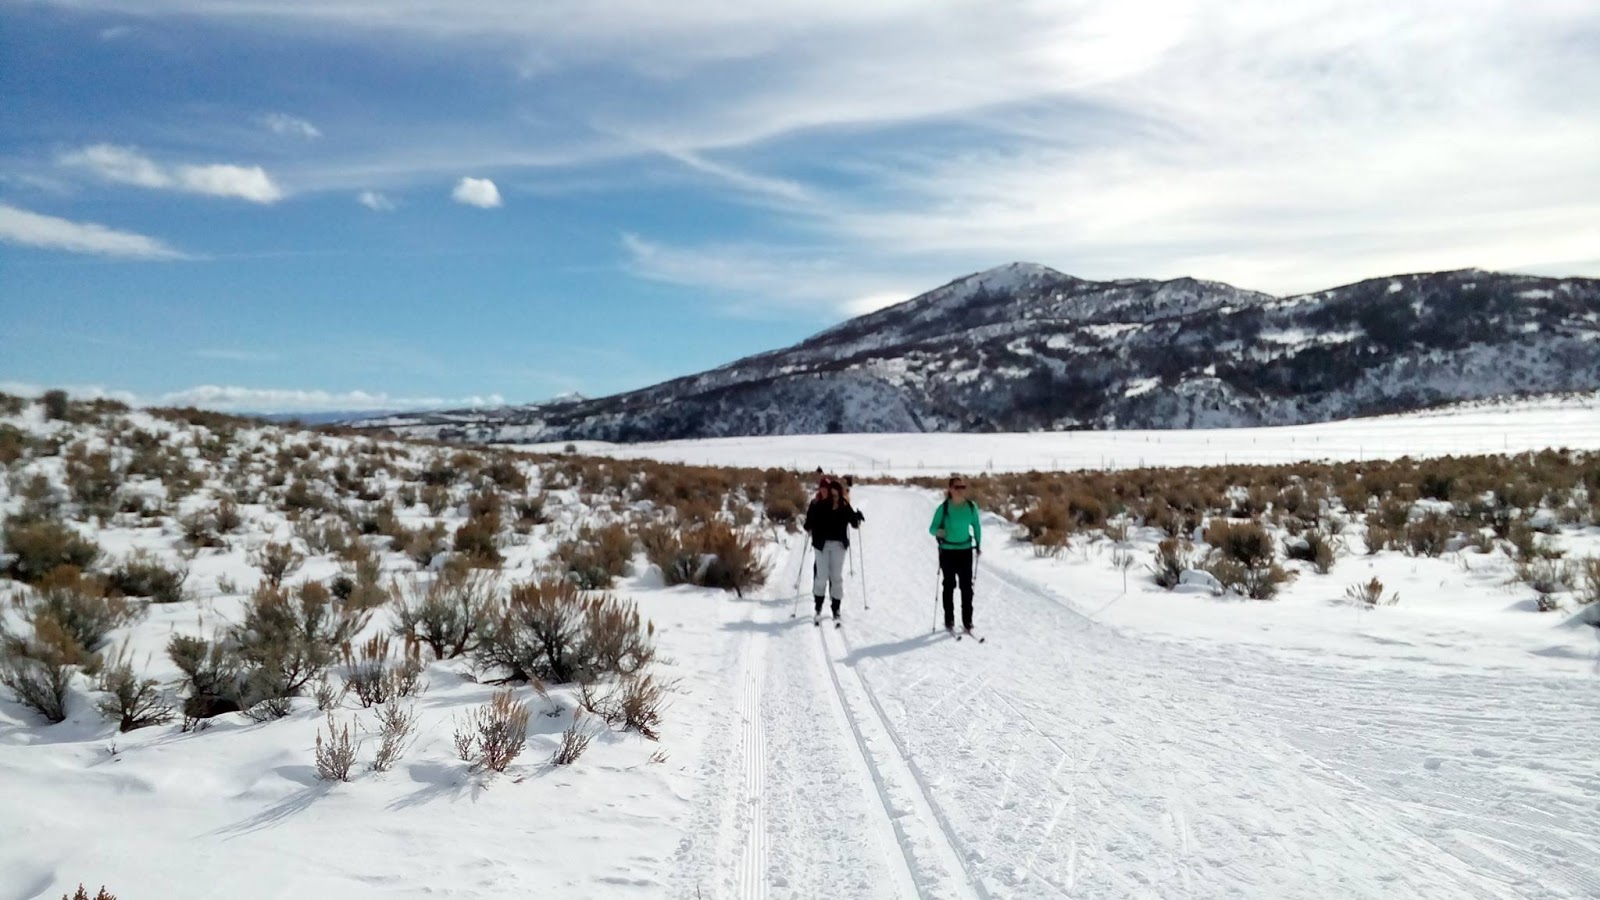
x=965 y=633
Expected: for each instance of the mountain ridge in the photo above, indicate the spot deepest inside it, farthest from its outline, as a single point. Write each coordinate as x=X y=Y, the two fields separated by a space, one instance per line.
x=1022 y=347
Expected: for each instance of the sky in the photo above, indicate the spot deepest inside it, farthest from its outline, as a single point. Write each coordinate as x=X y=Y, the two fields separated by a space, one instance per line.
x=283 y=205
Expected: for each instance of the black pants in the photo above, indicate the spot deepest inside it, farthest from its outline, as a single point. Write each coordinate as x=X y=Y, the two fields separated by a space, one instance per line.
x=957 y=566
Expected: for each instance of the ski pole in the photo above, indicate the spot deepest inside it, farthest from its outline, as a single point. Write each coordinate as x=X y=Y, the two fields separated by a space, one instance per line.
x=866 y=598
x=938 y=570
x=794 y=609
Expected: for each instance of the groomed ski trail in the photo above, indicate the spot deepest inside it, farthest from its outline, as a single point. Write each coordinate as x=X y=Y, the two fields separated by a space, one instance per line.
x=1067 y=759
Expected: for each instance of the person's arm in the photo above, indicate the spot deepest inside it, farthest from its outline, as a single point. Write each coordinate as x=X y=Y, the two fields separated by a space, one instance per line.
x=933 y=527
x=811 y=512
x=977 y=529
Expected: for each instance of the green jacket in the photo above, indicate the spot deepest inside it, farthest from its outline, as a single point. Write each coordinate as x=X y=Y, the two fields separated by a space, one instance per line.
x=962 y=530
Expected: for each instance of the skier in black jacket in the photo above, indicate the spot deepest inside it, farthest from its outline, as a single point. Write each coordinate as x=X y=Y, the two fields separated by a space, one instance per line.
x=829 y=520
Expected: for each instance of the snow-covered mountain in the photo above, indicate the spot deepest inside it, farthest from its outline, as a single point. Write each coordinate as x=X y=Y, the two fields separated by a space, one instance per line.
x=1024 y=348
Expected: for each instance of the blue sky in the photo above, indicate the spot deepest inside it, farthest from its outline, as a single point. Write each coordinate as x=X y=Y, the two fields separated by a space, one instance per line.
x=277 y=204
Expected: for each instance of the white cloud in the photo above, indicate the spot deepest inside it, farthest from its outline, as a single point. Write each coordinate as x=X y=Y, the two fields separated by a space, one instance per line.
x=1278 y=145
x=375 y=201
x=293 y=126
x=31 y=229
x=479 y=192
x=126 y=165
x=278 y=400
x=78 y=391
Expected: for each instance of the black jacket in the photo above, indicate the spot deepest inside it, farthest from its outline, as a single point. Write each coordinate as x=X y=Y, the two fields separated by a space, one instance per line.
x=825 y=523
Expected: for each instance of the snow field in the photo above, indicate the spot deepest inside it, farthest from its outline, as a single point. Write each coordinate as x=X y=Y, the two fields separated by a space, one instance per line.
x=1514 y=427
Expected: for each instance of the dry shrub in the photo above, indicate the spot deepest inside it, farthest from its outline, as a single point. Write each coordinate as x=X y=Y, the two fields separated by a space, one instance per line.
x=323 y=536
x=529 y=511
x=302 y=497
x=1548 y=578
x=142 y=575
x=574 y=741
x=636 y=703
x=376 y=679
x=83 y=894
x=337 y=755
x=200 y=530
x=425 y=544
x=547 y=631
x=93 y=480
x=57 y=405
x=1173 y=558
x=712 y=554
x=359 y=582
x=277 y=562
x=72 y=614
x=213 y=673
x=288 y=638
x=1429 y=535
x=1589 y=569
x=1370 y=593
x=478 y=540
x=1380 y=537
x=495 y=733
x=397 y=728
x=134 y=702
x=38 y=684
x=436 y=498
x=40 y=547
x=596 y=558
x=1314 y=546
x=450 y=613
x=504 y=473
x=615 y=638
x=1242 y=559
x=783 y=497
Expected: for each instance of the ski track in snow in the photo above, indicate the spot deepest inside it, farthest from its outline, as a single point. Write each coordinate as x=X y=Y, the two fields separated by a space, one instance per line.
x=1065 y=758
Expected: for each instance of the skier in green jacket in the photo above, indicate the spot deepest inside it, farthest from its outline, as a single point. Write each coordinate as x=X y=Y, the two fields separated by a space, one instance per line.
x=960 y=535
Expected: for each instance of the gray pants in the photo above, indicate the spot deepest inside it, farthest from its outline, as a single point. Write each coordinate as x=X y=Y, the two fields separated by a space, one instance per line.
x=828 y=570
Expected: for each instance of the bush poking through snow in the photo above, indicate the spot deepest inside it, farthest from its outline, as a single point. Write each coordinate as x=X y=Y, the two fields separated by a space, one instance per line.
x=1370 y=593
x=574 y=740
x=1242 y=558
x=78 y=609
x=547 y=631
x=336 y=756
x=134 y=702
x=450 y=614
x=1590 y=588
x=397 y=728
x=1548 y=578
x=478 y=540
x=142 y=575
x=1173 y=558
x=375 y=679
x=635 y=703
x=596 y=558
x=214 y=676
x=83 y=894
x=495 y=733
x=1429 y=535
x=711 y=554
x=1314 y=546
x=37 y=684
x=277 y=562
x=289 y=637
x=41 y=547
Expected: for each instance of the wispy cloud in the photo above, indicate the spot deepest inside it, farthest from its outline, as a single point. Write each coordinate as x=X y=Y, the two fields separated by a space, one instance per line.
x=244 y=356
x=375 y=201
x=31 y=229
x=80 y=391
x=750 y=280
x=126 y=165
x=292 y=126
x=479 y=192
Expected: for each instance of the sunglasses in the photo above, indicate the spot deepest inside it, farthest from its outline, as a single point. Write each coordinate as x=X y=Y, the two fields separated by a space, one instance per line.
x=958 y=487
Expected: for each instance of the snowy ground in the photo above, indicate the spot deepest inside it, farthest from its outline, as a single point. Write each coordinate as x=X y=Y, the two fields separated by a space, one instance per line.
x=1069 y=758
x=1515 y=427
x=1106 y=742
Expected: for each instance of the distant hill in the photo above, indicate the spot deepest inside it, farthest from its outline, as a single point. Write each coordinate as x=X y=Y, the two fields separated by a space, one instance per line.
x=1024 y=348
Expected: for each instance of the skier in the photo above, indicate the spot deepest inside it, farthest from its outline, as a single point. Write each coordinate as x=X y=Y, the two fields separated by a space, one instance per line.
x=829 y=520
x=960 y=536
